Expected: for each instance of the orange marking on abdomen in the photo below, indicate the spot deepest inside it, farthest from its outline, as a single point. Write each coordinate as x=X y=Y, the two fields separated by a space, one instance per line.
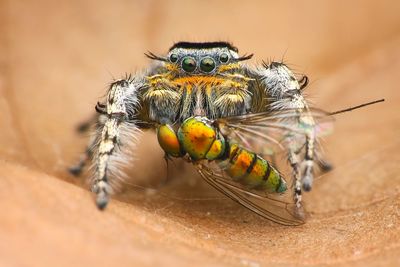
x=240 y=163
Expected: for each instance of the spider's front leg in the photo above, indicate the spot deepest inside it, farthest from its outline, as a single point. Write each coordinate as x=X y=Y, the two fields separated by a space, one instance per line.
x=284 y=93
x=115 y=136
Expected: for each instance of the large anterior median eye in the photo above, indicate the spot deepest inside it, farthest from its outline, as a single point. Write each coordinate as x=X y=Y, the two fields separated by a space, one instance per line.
x=207 y=64
x=188 y=64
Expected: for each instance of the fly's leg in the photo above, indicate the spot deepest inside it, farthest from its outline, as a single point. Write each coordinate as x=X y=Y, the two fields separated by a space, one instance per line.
x=323 y=164
x=117 y=130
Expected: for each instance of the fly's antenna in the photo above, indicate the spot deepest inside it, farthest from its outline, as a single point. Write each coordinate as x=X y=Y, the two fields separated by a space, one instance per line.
x=356 y=107
x=155 y=57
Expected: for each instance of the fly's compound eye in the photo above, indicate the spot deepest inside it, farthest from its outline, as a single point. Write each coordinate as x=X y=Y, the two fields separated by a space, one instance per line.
x=173 y=58
x=207 y=64
x=224 y=57
x=188 y=64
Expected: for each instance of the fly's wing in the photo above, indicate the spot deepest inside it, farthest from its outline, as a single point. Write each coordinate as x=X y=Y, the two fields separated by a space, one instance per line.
x=267 y=133
x=279 y=208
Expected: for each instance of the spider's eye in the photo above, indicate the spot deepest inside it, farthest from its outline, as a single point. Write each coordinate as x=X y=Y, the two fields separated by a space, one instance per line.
x=207 y=64
x=188 y=64
x=173 y=58
x=224 y=57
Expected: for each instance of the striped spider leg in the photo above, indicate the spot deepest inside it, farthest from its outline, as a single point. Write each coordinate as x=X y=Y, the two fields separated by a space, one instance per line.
x=284 y=93
x=115 y=137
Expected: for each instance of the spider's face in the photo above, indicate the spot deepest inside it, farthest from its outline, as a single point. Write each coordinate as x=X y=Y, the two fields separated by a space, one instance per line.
x=202 y=58
x=198 y=79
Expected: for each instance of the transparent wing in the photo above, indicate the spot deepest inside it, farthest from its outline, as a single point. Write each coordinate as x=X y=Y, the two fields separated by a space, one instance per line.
x=279 y=208
x=267 y=133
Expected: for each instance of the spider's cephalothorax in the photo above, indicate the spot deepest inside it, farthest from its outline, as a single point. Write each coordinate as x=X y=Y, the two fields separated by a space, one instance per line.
x=208 y=105
x=204 y=79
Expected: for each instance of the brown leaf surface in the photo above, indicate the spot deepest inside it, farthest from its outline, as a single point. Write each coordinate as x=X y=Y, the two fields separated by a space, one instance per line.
x=56 y=59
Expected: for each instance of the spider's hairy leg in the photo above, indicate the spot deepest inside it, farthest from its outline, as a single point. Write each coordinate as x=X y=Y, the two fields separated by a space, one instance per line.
x=85 y=157
x=117 y=129
x=294 y=163
x=283 y=90
x=76 y=169
x=308 y=175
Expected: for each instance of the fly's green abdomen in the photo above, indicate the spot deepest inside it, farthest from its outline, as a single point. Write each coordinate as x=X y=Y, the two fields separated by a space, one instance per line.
x=198 y=138
x=253 y=171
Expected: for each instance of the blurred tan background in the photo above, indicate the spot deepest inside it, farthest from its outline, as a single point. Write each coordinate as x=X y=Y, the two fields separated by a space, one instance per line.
x=56 y=60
